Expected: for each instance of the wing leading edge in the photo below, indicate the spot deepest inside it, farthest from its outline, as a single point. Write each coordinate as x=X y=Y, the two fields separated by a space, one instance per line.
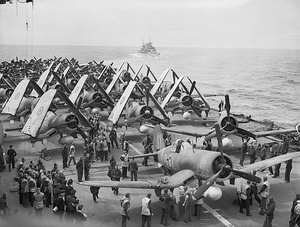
x=182 y=177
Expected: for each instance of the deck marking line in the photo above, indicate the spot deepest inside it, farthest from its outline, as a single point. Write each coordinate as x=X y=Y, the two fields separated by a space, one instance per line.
x=217 y=215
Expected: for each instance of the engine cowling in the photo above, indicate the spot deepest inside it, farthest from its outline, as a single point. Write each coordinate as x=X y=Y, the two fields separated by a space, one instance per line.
x=210 y=163
x=66 y=123
x=72 y=82
x=92 y=96
x=227 y=124
x=56 y=86
x=144 y=110
x=108 y=80
x=6 y=92
x=187 y=100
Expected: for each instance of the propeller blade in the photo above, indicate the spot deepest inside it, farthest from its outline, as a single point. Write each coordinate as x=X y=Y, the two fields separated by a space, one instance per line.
x=147 y=97
x=198 y=194
x=192 y=88
x=195 y=109
x=132 y=120
x=157 y=119
x=81 y=132
x=227 y=104
x=79 y=103
x=246 y=176
x=220 y=145
x=245 y=132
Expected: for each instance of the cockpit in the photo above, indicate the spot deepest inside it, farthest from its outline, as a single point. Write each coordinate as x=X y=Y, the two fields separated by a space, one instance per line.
x=179 y=146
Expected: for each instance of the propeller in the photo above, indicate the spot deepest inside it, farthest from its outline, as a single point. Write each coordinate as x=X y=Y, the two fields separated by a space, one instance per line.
x=229 y=124
x=228 y=168
x=227 y=105
x=200 y=191
x=223 y=167
x=148 y=113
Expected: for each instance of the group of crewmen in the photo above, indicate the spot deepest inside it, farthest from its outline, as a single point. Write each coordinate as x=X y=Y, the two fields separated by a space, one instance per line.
x=39 y=188
x=265 y=201
x=273 y=150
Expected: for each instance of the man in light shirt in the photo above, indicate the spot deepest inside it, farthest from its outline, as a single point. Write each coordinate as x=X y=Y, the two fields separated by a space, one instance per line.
x=38 y=202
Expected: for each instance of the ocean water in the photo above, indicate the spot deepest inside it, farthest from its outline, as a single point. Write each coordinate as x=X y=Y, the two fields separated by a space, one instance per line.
x=263 y=83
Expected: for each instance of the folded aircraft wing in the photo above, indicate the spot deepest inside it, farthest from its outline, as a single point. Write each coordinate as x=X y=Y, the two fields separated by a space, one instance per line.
x=38 y=114
x=159 y=82
x=14 y=101
x=77 y=89
x=170 y=94
x=117 y=111
x=41 y=80
x=113 y=82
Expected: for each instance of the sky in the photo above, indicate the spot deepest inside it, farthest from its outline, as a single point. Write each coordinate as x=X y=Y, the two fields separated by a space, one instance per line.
x=167 y=23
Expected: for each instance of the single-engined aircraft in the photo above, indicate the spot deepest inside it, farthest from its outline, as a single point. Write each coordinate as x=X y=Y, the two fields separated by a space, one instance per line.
x=44 y=123
x=89 y=98
x=190 y=107
x=19 y=105
x=159 y=86
x=187 y=164
x=229 y=125
x=7 y=91
x=136 y=111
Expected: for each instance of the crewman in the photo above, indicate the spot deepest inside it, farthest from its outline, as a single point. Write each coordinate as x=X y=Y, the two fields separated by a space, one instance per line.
x=288 y=169
x=277 y=166
x=72 y=154
x=64 y=154
x=146 y=210
x=187 y=204
x=79 y=167
x=245 y=196
x=295 y=212
x=165 y=198
x=125 y=204
x=11 y=153
x=264 y=193
x=3 y=204
x=243 y=151
x=113 y=138
x=87 y=166
x=124 y=161
x=269 y=212
x=254 y=191
x=133 y=168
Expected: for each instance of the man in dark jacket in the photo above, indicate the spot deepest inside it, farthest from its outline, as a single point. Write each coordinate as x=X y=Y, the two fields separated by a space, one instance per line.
x=166 y=200
x=87 y=167
x=113 y=138
x=71 y=203
x=79 y=216
x=11 y=153
x=79 y=167
x=288 y=169
x=269 y=212
x=133 y=168
x=65 y=154
x=115 y=176
x=94 y=190
x=60 y=204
